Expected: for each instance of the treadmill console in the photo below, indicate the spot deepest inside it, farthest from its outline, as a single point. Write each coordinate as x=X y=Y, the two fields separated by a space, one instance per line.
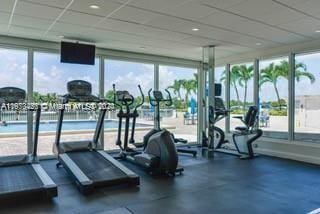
x=12 y=95
x=158 y=95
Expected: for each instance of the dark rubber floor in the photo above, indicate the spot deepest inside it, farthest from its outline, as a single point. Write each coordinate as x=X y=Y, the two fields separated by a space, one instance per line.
x=223 y=185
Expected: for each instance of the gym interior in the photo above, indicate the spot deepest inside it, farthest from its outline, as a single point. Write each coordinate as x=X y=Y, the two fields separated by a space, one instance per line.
x=159 y=106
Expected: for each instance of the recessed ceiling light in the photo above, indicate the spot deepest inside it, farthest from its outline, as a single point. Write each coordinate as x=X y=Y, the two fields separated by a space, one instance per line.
x=143 y=47
x=94 y=6
x=317 y=31
x=258 y=43
x=195 y=29
x=61 y=36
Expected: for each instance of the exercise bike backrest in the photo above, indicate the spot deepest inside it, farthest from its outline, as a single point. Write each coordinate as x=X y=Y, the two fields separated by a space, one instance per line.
x=158 y=97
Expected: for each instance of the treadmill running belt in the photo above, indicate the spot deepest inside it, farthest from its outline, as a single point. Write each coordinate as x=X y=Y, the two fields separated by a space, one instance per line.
x=18 y=178
x=96 y=167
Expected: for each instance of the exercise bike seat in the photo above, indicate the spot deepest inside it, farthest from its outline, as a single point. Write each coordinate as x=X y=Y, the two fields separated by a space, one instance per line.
x=241 y=128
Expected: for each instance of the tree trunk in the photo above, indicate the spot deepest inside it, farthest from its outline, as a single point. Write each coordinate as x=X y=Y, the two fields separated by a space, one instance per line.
x=237 y=93
x=278 y=96
x=245 y=97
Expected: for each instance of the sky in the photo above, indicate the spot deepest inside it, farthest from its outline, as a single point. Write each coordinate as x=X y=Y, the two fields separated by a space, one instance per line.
x=51 y=76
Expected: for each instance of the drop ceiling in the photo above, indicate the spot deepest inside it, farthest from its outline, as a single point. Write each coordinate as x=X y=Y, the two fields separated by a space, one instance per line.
x=165 y=27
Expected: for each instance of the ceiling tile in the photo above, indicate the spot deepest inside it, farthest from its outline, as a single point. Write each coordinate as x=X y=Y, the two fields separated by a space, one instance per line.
x=24 y=31
x=157 y=5
x=307 y=26
x=266 y=11
x=4 y=17
x=198 y=41
x=141 y=30
x=223 y=4
x=35 y=10
x=308 y=6
x=25 y=21
x=133 y=15
x=191 y=10
x=79 y=18
x=6 y=5
x=167 y=22
x=53 y=3
x=106 y=7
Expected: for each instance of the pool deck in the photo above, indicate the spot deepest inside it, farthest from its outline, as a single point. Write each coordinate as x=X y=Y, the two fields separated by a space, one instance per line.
x=18 y=145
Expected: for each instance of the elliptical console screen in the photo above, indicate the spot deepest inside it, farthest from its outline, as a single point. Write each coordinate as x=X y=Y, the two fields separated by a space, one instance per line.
x=158 y=95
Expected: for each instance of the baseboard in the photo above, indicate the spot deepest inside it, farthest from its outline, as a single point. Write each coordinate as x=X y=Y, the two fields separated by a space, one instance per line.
x=289 y=155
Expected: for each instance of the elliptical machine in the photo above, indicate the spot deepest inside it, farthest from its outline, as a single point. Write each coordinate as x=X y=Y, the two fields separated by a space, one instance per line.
x=159 y=155
x=155 y=101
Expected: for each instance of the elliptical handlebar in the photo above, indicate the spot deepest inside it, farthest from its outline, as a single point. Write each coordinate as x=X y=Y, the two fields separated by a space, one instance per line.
x=142 y=98
x=156 y=102
x=151 y=100
x=169 y=100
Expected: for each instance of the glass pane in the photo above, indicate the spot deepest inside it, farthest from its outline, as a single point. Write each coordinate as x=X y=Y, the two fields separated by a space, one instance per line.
x=50 y=80
x=241 y=91
x=13 y=127
x=127 y=76
x=220 y=77
x=273 y=97
x=181 y=118
x=307 y=98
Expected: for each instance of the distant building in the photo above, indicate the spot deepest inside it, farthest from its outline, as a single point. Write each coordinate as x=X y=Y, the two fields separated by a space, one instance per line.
x=307 y=111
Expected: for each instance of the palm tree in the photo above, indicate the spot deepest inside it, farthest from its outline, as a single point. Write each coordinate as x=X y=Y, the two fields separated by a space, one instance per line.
x=300 y=71
x=188 y=86
x=234 y=76
x=271 y=74
x=245 y=74
x=176 y=87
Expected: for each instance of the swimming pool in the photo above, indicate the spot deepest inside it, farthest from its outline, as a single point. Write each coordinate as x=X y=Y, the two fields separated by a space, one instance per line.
x=66 y=126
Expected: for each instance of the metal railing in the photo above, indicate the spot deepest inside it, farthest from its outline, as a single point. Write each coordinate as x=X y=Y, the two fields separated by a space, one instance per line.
x=80 y=115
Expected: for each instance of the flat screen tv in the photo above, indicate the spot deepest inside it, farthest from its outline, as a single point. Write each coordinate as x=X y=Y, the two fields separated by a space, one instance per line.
x=77 y=53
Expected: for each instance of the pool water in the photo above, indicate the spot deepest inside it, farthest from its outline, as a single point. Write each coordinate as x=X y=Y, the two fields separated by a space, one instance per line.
x=67 y=125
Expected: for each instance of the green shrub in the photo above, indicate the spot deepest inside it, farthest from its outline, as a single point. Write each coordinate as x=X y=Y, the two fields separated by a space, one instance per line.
x=275 y=112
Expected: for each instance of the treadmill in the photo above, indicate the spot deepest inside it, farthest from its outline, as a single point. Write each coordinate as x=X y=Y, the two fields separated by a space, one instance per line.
x=21 y=176
x=88 y=166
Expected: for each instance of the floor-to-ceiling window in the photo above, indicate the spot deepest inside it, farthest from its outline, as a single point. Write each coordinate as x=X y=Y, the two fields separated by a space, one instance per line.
x=180 y=118
x=13 y=127
x=241 y=91
x=273 y=97
x=50 y=80
x=127 y=76
x=307 y=97
x=220 y=77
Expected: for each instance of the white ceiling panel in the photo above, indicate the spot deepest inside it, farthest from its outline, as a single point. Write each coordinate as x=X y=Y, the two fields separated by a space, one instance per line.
x=308 y=6
x=266 y=11
x=53 y=3
x=106 y=7
x=6 y=5
x=4 y=17
x=191 y=10
x=194 y=40
x=137 y=29
x=79 y=18
x=307 y=26
x=38 y=11
x=133 y=15
x=168 y=22
x=157 y=5
x=223 y=4
x=26 y=21
x=15 y=30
